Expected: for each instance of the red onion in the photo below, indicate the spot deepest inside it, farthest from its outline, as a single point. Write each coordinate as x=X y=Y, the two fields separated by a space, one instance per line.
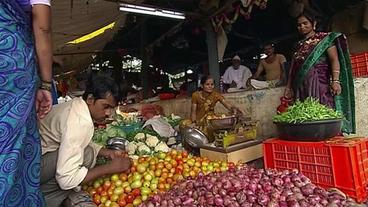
x=219 y=201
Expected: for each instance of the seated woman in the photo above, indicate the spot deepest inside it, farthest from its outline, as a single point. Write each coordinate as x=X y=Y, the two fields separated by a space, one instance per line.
x=204 y=101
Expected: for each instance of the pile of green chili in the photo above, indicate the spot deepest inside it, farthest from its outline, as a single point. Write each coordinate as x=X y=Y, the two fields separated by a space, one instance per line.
x=305 y=111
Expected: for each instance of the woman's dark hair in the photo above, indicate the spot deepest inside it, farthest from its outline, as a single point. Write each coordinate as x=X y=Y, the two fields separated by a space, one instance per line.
x=204 y=79
x=99 y=86
x=309 y=15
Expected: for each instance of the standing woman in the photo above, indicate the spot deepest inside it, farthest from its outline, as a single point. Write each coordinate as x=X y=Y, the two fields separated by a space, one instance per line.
x=24 y=94
x=321 y=69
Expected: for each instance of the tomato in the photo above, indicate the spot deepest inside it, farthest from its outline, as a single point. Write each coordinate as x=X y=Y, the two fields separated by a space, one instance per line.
x=114 y=204
x=168 y=166
x=110 y=192
x=129 y=198
x=164 y=175
x=133 y=169
x=114 y=198
x=137 y=201
x=165 y=170
x=122 y=202
x=123 y=177
x=169 y=180
x=107 y=184
x=230 y=164
x=100 y=189
x=184 y=154
x=152 y=167
x=114 y=177
x=179 y=161
x=103 y=193
x=92 y=192
x=174 y=163
x=141 y=159
x=129 y=205
x=97 y=199
x=141 y=168
x=160 y=165
x=136 y=192
x=172 y=170
x=158 y=173
x=103 y=199
x=161 y=186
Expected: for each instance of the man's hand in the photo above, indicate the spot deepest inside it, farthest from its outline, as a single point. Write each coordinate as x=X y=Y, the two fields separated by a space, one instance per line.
x=110 y=154
x=233 y=84
x=120 y=164
x=43 y=103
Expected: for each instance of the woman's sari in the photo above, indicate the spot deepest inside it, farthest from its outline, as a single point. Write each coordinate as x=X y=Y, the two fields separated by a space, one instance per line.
x=311 y=75
x=20 y=149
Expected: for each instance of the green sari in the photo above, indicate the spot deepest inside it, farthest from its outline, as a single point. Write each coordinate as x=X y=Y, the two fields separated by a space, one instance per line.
x=312 y=72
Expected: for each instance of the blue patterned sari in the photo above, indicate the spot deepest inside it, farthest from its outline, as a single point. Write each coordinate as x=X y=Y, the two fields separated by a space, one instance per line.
x=20 y=149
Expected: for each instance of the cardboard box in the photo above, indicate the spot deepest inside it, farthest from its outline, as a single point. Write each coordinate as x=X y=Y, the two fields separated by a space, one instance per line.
x=243 y=152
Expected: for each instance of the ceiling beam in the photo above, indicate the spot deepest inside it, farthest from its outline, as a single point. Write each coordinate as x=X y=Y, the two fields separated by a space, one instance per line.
x=223 y=8
x=175 y=27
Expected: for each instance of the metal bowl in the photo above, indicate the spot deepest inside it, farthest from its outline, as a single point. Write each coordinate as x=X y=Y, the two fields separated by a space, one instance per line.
x=309 y=131
x=228 y=122
x=193 y=137
x=117 y=143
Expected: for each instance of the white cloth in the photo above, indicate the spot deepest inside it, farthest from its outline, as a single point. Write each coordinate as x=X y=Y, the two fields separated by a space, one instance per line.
x=68 y=128
x=162 y=127
x=263 y=84
x=239 y=76
x=45 y=2
x=64 y=99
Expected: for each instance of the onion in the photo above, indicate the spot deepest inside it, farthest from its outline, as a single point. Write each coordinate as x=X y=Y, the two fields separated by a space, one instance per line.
x=263 y=199
x=219 y=201
x=241 y=197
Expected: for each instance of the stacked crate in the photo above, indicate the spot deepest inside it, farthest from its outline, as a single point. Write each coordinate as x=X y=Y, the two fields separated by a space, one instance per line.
x=339 y=163
x=359 y=64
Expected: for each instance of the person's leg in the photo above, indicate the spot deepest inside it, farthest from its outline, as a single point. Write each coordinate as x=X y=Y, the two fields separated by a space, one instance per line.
x=51 y=190
x=53 y=194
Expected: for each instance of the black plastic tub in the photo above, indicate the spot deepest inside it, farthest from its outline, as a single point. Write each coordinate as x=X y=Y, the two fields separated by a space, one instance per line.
x=309 y=131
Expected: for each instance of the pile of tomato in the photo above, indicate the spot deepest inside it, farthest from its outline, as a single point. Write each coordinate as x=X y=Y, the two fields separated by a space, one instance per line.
x=149 y=175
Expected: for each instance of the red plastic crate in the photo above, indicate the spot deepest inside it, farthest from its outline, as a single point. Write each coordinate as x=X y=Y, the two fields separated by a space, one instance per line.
x=339 y=163
x=359 y=64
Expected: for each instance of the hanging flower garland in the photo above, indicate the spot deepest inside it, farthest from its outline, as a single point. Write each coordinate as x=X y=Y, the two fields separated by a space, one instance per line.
x=244 y=9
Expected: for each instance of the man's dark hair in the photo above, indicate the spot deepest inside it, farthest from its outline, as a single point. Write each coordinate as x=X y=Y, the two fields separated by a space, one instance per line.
x=268 y=44
x=99 y=86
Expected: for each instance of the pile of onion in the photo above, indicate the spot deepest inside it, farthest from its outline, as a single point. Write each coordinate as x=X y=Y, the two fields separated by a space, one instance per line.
x=246 y=187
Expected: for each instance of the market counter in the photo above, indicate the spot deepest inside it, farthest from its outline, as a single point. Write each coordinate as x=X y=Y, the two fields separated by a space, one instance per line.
x=261 y=105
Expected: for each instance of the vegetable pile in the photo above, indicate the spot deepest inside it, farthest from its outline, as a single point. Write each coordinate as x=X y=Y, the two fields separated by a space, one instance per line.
x=148 y=176
x=246 y=187
x=101 y=135
x=145 y=144
x=173 y=120
x=308 y=110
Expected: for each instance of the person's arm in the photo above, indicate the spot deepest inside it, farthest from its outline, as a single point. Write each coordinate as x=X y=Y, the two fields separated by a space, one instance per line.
x=288 y=93
x=229 y=107
x=335 y=65
x=193 y=108
x=41 y=16
x=226 y=77
x=193 y=111
x=259 y=71
x=282 y=67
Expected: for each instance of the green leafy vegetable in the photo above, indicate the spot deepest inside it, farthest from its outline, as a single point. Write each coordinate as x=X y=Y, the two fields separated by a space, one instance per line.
x=308 y=110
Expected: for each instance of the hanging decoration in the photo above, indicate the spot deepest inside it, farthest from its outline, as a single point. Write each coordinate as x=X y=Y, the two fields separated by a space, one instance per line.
x=244 y=9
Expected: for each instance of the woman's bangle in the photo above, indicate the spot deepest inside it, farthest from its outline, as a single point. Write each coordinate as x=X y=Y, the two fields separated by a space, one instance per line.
x=335 y=81
x=335 y=71
x=45 y=86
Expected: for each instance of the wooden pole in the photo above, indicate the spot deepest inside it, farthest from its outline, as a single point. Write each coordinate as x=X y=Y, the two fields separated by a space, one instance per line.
x=213 y=64
x=144 y=55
